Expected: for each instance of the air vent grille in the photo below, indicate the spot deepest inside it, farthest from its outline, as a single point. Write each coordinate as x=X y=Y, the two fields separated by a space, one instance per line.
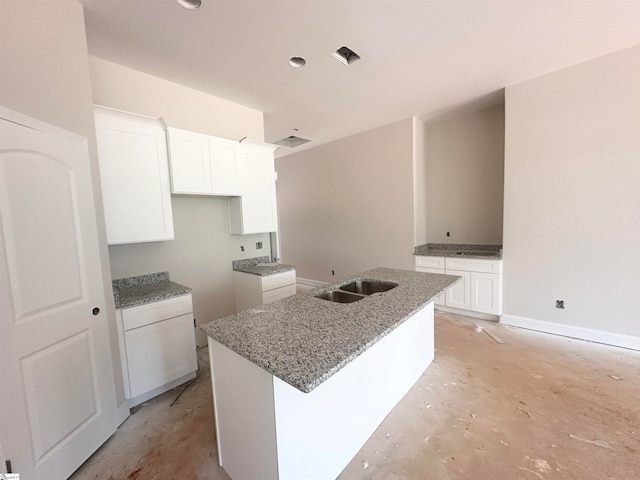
x=346 y=55
x=291 y=141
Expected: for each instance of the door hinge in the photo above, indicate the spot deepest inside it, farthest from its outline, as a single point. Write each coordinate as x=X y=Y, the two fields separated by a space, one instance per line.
x=194 y=323
x=8 y=464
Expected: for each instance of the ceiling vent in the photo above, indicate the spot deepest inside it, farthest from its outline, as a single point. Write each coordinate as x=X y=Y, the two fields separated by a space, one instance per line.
x=346 y=55
x=291 y=141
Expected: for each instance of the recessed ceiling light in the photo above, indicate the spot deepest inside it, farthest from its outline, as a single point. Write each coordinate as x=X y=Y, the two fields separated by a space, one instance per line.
x=346 y=55
x=297 y=62
x=189 y=4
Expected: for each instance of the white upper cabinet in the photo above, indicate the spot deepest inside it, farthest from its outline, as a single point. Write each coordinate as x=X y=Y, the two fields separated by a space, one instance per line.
x=256 y=210
x=202 y=164
x=223 y=155
x=207 y=165
x=134 y=171
x=190 y=165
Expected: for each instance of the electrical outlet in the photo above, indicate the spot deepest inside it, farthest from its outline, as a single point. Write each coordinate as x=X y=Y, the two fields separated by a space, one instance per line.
x=333 y=272
x=242 y=248
x=448 y=234
x=559 y=303
x=258 y=245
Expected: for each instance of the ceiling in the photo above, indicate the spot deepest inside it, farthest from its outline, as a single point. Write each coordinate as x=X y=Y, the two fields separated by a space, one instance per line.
x=419 y=57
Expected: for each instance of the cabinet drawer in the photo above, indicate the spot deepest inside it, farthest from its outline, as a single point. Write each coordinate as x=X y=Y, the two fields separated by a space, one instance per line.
x=278 y=280
x=474 y=265
x=148 y=313
x=278 y=293
x=430 y=262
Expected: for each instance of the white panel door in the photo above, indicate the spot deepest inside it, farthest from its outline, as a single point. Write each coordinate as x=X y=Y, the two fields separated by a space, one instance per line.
x=58 y=403
x=459 y=296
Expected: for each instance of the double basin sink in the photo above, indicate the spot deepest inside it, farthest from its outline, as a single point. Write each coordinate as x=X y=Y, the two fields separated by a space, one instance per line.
x=356 y=290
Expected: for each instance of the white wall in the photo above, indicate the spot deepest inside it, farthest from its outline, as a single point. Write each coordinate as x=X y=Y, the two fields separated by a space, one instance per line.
x=347 y=206
x=200 y=256
x=465 y=176
x=420 y=193
x=45 y=74
x=572 y=200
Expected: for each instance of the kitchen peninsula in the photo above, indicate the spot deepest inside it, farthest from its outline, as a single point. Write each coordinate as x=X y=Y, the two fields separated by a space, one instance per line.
x=299 y=385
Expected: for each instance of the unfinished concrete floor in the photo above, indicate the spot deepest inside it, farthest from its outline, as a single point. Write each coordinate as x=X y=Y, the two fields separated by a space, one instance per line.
x=536 y=407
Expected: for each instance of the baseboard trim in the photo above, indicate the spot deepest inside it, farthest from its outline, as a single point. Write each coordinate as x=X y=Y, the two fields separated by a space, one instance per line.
x=123 y=412
x=468 y=313
x=310 y=283
x=581 y=333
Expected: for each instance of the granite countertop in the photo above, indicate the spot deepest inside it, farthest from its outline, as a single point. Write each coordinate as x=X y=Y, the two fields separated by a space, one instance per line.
x=304 y=340
x=250 y=265
x=467 y=250
x=132 y=291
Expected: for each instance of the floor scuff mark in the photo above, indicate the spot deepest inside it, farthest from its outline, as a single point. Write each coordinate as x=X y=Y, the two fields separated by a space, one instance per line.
x=597 y=443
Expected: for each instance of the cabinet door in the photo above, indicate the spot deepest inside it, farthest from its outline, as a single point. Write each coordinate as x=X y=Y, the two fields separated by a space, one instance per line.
x=190 y=165
x=459 y=296
x=485 y=293
x=160 y=353
x=440 y=299
x=255 y=210
x=134 y=171
x=224 y=166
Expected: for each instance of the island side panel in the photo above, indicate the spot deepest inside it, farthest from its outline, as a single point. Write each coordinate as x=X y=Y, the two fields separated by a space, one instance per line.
x=244 y=415
x=318 y=433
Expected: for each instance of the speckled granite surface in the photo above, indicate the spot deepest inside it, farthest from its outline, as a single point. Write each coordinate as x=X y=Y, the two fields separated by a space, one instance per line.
x=469 y=250
x=141 y=289
x=249 y=265
x=304 y=340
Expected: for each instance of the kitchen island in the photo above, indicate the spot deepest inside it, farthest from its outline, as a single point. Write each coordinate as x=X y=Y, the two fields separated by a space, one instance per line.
x=299 y=385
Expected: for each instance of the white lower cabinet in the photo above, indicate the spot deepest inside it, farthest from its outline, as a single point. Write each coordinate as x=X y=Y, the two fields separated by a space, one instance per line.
x=254 y=290
x=486 y=293
x=480 y=289
x=440 y=299
x=158 y=345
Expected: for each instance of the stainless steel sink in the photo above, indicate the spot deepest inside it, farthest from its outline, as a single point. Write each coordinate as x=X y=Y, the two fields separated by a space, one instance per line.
x=356 y=290
x=340 y=297
x=367 y=287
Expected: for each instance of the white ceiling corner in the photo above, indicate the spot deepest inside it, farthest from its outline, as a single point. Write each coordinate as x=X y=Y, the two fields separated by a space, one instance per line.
x=419 y=57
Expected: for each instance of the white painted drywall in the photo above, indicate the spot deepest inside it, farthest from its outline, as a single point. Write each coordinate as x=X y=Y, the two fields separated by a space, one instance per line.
x=347 y=206
x=200 y=256
x=465 y=176
x=420 y=201
x=45 y=74
x=572 y=196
